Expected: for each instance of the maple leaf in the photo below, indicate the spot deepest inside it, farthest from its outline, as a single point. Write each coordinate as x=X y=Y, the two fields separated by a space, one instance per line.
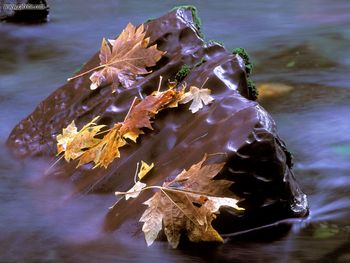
x=198 y=98
x=134 y=191
x=143 y=111
x=73 y=142
x=153 y=218
x=144 y=170
x=68 y=135
x=188 y=204
x=123 y=59
x=107 y=149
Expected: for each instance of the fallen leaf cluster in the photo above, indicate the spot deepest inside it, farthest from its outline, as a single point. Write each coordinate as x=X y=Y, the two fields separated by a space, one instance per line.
x=85 y=146
x=188 y=204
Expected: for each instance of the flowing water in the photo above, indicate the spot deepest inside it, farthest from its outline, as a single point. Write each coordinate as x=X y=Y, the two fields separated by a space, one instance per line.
x=300 y=48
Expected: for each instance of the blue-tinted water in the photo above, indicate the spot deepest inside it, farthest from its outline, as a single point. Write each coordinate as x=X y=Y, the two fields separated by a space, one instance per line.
x=303 y=44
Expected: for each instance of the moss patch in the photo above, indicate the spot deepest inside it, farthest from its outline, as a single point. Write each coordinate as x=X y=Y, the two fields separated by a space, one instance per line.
x=196 y=19
x=185 y=70
x=200 y=62
x=244 y=54
x=252 y=90
x=216 y=42
x=182 y=73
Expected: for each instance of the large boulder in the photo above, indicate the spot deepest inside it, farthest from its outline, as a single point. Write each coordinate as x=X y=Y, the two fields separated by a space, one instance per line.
x=256 y=158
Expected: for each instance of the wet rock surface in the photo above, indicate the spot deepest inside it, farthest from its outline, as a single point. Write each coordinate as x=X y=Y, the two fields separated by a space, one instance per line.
x=256 y=158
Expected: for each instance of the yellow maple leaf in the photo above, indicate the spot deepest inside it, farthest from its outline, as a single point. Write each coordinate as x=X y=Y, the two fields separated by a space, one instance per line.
x=107 y=149
x=144 y=170
x=73 y=142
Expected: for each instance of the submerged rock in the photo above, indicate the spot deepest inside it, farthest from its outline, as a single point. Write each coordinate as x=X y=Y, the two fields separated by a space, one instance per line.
x=256 y=158
x=272 y=90
x=26 y=12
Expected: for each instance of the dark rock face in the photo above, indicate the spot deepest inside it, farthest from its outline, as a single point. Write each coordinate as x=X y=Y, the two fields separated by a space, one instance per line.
x=25 y=12
x=256 y=158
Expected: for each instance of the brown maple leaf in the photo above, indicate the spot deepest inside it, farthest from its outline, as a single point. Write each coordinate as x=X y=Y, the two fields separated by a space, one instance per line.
x=188 y=204
x=123 y=59
x=141 y=114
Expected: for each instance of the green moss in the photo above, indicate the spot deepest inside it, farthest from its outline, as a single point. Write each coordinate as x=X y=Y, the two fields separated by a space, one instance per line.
x=252 y=90
x=182 y=73
x=149 y=20
x=220 y=43
x=244 y=54
x=196 y=19
x=200 y=62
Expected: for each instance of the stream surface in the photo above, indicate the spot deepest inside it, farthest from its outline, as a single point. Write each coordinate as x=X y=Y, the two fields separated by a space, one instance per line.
x=301 y=45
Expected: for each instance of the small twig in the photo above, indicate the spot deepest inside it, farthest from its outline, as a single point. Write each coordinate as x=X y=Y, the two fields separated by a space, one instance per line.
x=283 y=221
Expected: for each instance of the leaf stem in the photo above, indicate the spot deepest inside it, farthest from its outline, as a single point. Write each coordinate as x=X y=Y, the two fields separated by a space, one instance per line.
x=205 y=81
x=52 y=165
x=132 y=105
x=86 y=72
x=182 y=191
x=104 y=65
x=137 y=169
x=102 y=132
x=160 y=82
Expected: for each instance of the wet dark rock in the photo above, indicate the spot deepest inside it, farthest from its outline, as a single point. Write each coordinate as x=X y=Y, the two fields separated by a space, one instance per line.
x=256 y=158
x=25 y=12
